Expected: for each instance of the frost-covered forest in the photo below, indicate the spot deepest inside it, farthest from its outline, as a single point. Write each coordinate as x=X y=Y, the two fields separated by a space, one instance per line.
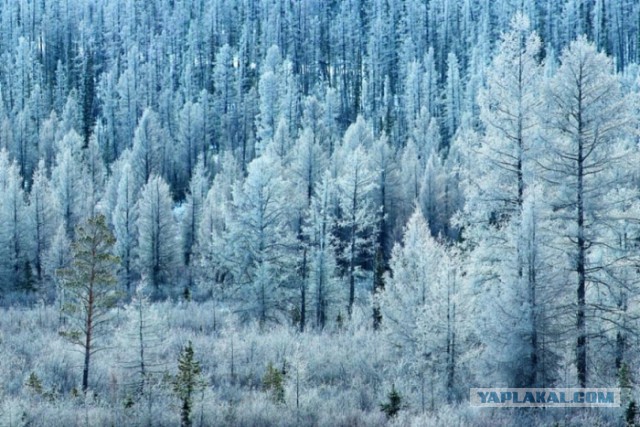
x=316 y=212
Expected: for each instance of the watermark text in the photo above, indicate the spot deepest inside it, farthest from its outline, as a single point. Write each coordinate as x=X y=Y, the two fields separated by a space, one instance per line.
x=544 y=397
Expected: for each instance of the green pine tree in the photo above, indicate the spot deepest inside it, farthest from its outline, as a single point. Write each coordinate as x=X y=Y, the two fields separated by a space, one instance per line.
x=187 y=382
x=394 y=403
x=90 y=285
x=273 y=383
x=34 y=383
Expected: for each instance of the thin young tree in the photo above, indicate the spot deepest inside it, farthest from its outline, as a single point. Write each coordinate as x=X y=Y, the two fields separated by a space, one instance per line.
x=187 y=382
x=90 y=287
x=141 y=348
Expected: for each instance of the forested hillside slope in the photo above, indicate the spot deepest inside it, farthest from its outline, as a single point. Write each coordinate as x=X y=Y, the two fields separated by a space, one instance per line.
x=316 y=212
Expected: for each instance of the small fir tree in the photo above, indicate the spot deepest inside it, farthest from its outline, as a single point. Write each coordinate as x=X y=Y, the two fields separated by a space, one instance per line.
x=394 y=403
x=187 y=382
x=273 y=383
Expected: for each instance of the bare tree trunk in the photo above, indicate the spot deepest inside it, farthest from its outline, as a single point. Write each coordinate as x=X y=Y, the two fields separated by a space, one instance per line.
x=303 y=292
x=581 y=342
x=87 y=342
